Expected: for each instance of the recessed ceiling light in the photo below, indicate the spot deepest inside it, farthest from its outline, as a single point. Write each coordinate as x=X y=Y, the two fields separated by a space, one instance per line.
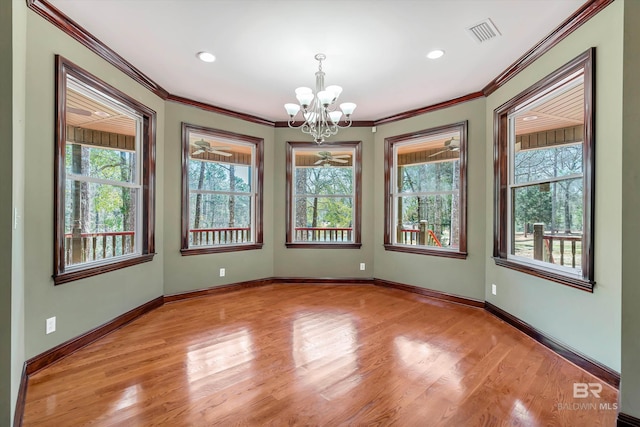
x=206 y=56
x=101 y=114
x=529 y=118
x=435 y=54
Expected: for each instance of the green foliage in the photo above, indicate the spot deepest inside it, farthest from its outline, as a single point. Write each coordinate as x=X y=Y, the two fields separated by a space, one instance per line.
x=106 y=205
x=319 y=183
x=434 y=177
x=559 y=205
x=219 y=210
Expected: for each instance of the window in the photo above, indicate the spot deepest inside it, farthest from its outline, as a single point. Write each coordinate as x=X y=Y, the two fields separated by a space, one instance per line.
x=324 y=190
x=544 y=177
x=425 y=187
x=104 y=177
x=221 y=191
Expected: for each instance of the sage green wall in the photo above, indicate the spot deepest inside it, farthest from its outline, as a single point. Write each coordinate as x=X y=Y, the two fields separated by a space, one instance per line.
x=455 y=276
x=296 y=262
x=84 y=304
x=6 y=136
x=630 y=383
x=19 y=15
x=590 y=323
x=186 y=273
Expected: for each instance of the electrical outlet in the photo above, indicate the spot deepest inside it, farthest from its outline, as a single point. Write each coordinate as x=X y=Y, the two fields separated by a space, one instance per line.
x=223 y=272
x=362 y=266
x=494 y=289
x=51 y=325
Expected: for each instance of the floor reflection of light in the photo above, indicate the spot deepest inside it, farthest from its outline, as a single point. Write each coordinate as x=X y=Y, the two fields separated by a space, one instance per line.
x=520 y=413
x=422 y=358
x=230 y=357
x=128 y=398
x=52 y=404
x=324 y=352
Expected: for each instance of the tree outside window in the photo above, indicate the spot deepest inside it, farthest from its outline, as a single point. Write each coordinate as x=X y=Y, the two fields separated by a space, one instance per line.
x=104 y=177
x=222 y=182
x=425 y=184
x=323 y=194
x=544 y=173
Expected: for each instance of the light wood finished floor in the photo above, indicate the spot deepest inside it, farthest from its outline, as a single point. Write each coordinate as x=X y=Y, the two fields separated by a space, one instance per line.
x=315 y=355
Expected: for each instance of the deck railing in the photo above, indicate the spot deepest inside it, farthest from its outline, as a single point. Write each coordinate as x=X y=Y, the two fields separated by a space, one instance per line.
x=544 y=246
x=97 y=246
x=323 y=234
x=219 y=236
x=418 y=237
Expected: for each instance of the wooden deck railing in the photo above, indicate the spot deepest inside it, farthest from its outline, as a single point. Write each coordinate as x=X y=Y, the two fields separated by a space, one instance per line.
x=323 y=234
x=543 y=246
x=96 y=246
x=414 y=237
x=219 y=236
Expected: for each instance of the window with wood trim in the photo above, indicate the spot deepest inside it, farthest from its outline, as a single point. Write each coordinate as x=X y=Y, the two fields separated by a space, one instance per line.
x=104 y=177
x=425 y=187
x=544 y=177
x=221 y=191
x=324 y=190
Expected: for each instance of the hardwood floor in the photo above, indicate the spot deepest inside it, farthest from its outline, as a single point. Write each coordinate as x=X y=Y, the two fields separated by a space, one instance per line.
x=315 y=355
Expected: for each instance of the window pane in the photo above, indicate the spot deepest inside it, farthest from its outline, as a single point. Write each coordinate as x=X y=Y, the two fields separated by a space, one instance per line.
x=100 y=221
x=436 y=176
x=103 y=163
x=323 y=219
x=540 y=164
x=547 y=222
x=219 y=176
x=428 y=220
x=219 y=219
x=324 y=180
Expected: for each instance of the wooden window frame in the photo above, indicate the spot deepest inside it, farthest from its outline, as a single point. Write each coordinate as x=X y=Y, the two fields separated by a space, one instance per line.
x=357 y=169
x=258 y=143
x=62 y=273
x=584 y=61
x=389 y=167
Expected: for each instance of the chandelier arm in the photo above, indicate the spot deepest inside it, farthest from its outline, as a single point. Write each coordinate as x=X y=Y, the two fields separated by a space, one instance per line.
x=316 y=117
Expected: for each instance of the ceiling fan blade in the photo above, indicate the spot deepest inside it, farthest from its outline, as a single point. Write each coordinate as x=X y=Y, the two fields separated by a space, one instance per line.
x=319 y=161
x=439 y=152
x=202 y=143
x=78 y=111
x=342 y=156
x=453 y=142
x=196 y=152
x=338 y=160
x=220 y=153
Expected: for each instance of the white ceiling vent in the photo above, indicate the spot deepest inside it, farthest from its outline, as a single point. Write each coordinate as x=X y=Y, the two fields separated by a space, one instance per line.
x=483 y=31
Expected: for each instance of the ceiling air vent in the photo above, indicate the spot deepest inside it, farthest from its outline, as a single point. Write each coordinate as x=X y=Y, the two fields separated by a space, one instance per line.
x=483 y=31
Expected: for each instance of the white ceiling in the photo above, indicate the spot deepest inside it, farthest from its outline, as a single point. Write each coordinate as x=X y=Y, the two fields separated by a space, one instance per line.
x=375 y=48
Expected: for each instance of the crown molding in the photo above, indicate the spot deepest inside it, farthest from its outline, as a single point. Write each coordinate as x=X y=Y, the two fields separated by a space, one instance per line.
x=428 y=109
x=354 y=124
x=562 y=31
x=43 y=8
x=220 y=110
x=91 y=42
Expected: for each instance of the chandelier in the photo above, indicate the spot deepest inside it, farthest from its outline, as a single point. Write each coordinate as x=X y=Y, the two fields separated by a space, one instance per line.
x=321 y=117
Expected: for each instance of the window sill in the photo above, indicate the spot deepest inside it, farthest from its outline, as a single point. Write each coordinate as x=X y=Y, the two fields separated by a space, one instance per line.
x=574 y=282
x=316 y=245
x=60 y=278
x=220 y=249
x=445 y=253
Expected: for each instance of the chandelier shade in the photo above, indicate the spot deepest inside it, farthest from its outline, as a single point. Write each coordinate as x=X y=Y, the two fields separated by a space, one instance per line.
x=321 y=117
